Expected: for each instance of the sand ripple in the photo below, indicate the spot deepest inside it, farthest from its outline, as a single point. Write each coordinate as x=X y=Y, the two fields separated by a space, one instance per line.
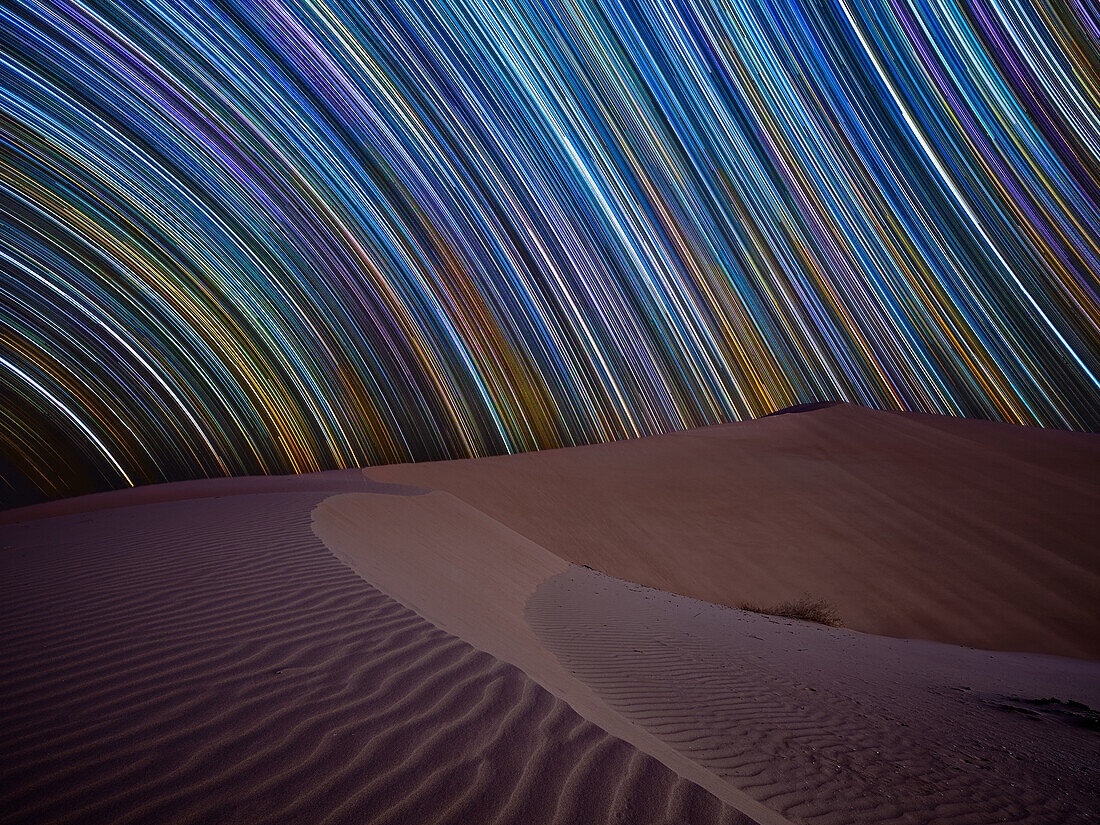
x=831 y=726
x=210 y=662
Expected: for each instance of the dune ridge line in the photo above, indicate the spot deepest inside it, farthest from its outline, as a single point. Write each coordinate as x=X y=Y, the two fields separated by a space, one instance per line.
x=912 y=526
x=195 y=661
x=472 y=576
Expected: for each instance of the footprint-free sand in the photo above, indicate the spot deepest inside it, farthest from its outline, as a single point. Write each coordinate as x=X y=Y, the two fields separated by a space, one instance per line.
x=421 y=643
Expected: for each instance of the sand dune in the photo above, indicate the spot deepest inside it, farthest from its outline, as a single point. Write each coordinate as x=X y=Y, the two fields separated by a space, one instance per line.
x=913 y=526
x=472 y=576
x=209 y=661
x=333 y=648
x=831 y=726
x=786 y=721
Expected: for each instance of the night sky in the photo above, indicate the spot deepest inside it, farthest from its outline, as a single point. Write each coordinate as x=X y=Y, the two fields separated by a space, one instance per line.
x=241 y=238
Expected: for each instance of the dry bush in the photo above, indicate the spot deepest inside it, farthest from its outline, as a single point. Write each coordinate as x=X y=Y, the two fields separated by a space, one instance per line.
x=807 y=608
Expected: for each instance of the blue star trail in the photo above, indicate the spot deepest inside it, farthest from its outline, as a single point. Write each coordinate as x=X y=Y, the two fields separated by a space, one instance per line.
x=242 y=238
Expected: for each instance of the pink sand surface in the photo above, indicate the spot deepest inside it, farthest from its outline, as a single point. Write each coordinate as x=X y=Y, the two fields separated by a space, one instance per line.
x=209 y=661
x=417 y=647
x=912 y=526
x=830 y=726
x=786 y=721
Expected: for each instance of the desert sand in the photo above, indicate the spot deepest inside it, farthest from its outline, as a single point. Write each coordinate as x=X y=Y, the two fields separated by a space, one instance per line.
x=421 y=643
x=208 y=661
x=913 y=526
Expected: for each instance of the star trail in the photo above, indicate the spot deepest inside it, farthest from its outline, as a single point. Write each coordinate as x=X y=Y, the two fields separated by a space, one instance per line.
x=241 y=238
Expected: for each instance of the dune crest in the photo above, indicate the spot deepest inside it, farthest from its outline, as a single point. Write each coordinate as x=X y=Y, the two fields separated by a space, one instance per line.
x=833 y=726
x=472 y=576
x=208 y=660
x=330 y=481
x=912 y=526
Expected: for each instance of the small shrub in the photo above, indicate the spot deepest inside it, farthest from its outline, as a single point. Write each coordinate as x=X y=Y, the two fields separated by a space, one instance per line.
x=807 y=608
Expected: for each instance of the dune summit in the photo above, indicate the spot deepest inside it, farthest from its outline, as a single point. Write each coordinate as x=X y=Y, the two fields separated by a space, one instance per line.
x=913 y=526
x=430 y=644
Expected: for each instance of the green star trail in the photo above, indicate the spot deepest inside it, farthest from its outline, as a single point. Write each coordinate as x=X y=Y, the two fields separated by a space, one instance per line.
x=241 y=238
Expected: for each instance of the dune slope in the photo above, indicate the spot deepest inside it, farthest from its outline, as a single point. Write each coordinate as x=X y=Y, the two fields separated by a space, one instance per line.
x=834 y=727
x=208 y=660
x=472 y=576
x=913 y=526
x=786 y=721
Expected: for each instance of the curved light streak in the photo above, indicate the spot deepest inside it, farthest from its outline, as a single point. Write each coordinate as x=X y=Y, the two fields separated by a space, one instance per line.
x=262 y=237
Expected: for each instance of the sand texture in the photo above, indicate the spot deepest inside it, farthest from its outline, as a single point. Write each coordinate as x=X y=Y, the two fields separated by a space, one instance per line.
x=209 y=661
x=912 y=526
x=472 y=576
x=415 y=644
x=831 y=726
